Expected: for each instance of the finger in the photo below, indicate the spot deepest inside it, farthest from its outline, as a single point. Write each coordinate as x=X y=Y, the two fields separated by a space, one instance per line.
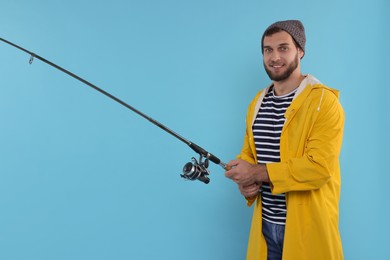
x=232 y=176
x=254 y=184
x=233 y=163
x=251 y=191
x=250 y=188
x=245 y=182
x=230 y=173
x=250 y=194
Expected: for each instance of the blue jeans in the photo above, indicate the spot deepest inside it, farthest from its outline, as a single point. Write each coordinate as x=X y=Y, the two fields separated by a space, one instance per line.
x=274 y=236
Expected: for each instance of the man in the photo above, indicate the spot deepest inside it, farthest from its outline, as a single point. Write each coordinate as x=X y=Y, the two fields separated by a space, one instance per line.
x=289 y=163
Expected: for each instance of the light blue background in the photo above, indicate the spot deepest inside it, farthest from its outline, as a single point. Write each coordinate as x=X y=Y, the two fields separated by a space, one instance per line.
x=81 y=177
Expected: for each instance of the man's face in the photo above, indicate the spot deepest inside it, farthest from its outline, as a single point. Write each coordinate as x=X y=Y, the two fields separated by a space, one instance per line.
x=281 y=57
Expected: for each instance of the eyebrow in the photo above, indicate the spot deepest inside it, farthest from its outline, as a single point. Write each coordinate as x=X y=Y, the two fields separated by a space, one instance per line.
x=280 y=45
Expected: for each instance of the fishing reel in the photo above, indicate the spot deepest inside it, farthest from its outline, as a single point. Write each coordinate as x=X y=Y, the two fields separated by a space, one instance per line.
x=195 y=170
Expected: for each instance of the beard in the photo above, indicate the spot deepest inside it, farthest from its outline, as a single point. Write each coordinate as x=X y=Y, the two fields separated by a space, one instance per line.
x=290 y=69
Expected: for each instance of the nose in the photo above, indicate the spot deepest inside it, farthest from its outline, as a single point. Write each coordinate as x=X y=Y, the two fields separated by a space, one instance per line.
x=275 y=56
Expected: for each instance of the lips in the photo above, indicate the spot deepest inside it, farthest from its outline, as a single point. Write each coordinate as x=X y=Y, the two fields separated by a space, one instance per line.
x=276 y=66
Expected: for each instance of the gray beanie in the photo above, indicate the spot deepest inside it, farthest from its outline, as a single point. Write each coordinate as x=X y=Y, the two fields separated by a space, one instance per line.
x=293 y=27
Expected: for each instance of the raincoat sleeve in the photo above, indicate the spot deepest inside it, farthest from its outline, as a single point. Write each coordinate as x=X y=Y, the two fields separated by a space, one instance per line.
x=246 y=155
x=320 y=148
x=248 y=149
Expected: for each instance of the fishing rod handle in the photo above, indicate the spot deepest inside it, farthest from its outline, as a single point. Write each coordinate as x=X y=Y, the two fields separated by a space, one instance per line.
x=225 y=166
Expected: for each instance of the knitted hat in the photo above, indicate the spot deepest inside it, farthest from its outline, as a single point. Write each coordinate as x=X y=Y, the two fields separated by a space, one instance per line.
x=293 y=27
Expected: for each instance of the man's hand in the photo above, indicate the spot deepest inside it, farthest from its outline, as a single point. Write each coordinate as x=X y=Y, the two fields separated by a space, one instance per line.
x=246 y=174
x=249 y=191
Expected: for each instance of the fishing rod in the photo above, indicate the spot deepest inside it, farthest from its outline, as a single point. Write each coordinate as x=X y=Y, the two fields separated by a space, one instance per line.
x=194 y=170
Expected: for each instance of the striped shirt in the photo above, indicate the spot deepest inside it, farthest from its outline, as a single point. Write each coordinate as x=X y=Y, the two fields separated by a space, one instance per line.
x=267 y=129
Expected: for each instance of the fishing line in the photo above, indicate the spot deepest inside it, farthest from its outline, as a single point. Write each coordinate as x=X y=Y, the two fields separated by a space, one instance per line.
x=194 y=170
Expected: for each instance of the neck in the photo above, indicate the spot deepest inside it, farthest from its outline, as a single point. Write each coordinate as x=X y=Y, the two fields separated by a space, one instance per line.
x=284 y=87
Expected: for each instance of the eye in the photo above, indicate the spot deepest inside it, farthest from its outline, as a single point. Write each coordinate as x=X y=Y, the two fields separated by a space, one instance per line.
x=267 y=50
x=283 y=48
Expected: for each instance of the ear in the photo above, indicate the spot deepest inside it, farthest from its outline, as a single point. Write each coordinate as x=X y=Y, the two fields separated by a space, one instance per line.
x=301 y=53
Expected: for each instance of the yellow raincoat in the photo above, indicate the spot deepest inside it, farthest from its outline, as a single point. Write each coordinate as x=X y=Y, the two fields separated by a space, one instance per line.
x=308 y=173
